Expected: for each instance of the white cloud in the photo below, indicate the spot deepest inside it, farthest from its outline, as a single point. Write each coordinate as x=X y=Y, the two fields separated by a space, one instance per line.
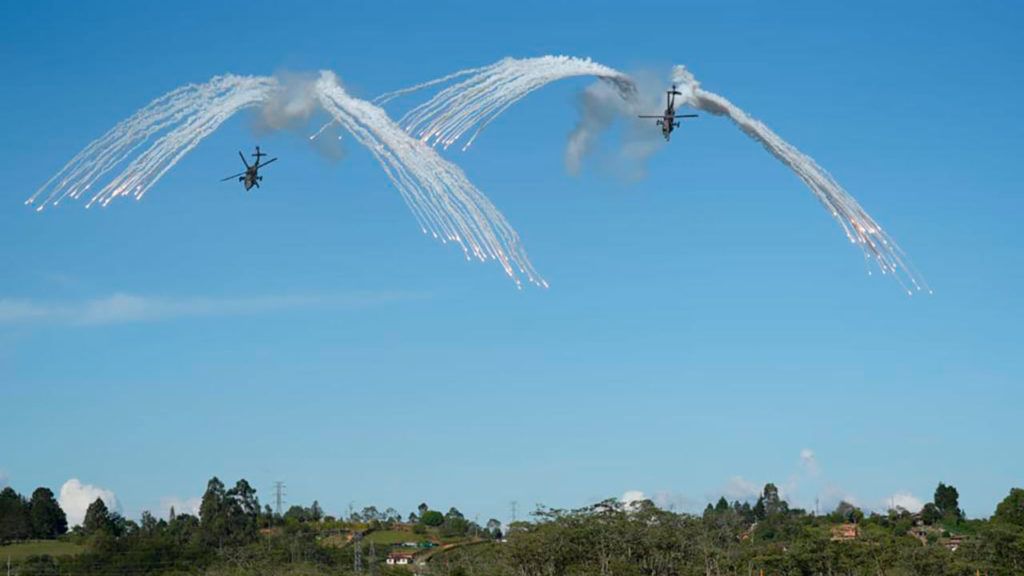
x=121 y=308
x=809 y=462
x=4 y=479
x=76 y=497
x=180 y=505
x=674 y=501
x=632 y=497
x=904 y=500
x=739 y=488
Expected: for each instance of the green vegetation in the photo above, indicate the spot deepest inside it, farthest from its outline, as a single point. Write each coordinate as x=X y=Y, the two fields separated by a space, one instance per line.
x=39 y=517
x=23 y=550
x=389 y=537
x=233 y=536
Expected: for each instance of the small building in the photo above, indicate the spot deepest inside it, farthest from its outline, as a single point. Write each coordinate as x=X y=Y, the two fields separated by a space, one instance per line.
x=845 y=532
x=400 y=558
x=953 y=542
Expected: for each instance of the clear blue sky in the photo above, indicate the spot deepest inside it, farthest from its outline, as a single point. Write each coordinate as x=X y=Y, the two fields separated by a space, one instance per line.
x=704 y=325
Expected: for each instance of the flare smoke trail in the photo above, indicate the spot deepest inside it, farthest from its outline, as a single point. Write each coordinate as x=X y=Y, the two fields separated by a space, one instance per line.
x=859 y=227
x=185 y=116
x=440 y=196
x=474 y=103
x=437 y=192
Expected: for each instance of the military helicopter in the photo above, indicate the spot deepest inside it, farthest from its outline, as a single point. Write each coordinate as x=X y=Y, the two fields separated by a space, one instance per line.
x=668 y=121
x=251 y=175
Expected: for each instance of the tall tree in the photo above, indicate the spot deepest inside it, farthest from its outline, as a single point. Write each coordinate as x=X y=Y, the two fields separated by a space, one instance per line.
x=947 y=500
x=98 y=519
x=14 y=516
x=770 y=503
x=48 y=520
x=213 y=517
x=243 y=512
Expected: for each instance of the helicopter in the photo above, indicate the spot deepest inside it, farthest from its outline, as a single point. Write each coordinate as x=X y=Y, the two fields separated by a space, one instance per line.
x=250 y=177
x=667 y=120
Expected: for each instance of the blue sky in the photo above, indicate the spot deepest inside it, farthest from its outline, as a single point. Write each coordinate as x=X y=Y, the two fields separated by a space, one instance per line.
x=708 y=328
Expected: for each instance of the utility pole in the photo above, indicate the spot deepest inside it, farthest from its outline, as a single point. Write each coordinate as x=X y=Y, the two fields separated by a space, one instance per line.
x=513 y=504
x=278 y=496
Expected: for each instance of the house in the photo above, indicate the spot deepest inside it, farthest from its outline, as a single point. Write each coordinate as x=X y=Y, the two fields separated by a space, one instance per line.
x=845 y=532
x=400 y=558
x=953 y=542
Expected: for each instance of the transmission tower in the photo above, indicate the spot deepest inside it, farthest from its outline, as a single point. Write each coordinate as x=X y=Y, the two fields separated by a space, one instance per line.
x=357 y=556
x=279 y=495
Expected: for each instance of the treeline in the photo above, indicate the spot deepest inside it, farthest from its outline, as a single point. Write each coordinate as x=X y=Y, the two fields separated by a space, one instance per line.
x=38 y=517
x=769 y=537
x=234 y=535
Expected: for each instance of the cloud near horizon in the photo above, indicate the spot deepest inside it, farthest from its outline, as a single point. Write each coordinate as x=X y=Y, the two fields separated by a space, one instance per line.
x=180 y=505
x=122 y=308
x=905 y=500
x=76 y=497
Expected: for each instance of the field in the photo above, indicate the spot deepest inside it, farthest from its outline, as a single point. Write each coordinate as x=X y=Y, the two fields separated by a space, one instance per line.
x=21 y=550
x=389 y=537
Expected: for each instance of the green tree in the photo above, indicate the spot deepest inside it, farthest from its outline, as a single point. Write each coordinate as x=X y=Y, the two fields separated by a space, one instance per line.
x=213 y=517
x=47 y=518
x=98 y=519
x=297 y=514
x=1011 y=509
x=432 y=518
x=947 y=500
x=15 y=523
x=770 y=503
x=148 y=524
x=931 y=514
x=494 y=528
x=242 y=509
x=846 y=512
x=455 y=525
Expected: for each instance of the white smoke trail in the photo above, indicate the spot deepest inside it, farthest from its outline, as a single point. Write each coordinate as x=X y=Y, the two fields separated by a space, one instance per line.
x=859 y=227
x=474 y=103
x=438 y=193
x=440 y=196
x=185 y=116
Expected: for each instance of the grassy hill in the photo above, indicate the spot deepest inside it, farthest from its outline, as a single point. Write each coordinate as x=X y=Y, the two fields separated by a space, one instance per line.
x=21 y=550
